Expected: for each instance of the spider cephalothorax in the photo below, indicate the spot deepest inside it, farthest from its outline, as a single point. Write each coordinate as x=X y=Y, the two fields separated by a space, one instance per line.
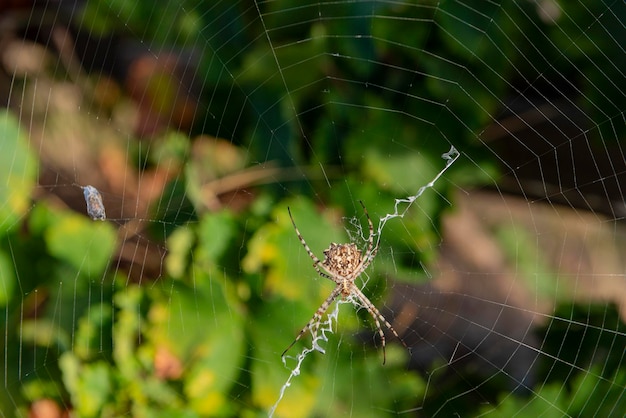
x=343 y=264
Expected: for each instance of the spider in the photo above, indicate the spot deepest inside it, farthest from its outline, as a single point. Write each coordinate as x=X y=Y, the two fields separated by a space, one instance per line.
x=342 y=264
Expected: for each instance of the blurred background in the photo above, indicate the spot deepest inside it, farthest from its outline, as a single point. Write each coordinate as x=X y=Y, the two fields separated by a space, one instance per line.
x=200 y=122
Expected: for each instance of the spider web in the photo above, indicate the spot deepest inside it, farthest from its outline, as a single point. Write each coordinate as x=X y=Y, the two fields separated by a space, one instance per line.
x=401 y=207
x=199 y=123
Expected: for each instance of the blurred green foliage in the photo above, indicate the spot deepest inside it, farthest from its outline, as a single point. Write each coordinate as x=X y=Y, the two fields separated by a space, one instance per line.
x=204 y=339
x=18 y=170
x=588 y=381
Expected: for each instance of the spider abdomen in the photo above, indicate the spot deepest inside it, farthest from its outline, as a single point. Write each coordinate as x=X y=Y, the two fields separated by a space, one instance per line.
x=342 y=259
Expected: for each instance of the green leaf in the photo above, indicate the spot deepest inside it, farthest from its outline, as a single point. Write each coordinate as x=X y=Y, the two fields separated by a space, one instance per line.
x=94 y=389
x=399 y=172
x=549 y=402
x=595 y=395
x=7 y=278
x=18 y=172
x=268 y=377
x=203 y=325
x=84 y=244
x=125 y=331
x=289 y=268
x=45 y=333
x=216 y=231
x=179 y=245
x=70 y=367
x=366 y=377
x=91 y=326
x=89 y=385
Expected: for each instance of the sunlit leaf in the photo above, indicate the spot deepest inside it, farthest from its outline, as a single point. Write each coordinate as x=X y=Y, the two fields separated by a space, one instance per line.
x=84 y=244
x=45 y=333
x=179 y=244
x=276 y=246
x=94 y=389
x=90 y=331
x=18 y=172
x=89 y=384
x=125 y=331
x=203 y=326
x=369 y=380
x=401 y=172
x=269 y=374
x=216 y=232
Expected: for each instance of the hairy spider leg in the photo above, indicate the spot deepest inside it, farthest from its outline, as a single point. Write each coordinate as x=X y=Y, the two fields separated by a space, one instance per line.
x=371 y=250
x=316 y=261
x=317 y=318
x=375 y=313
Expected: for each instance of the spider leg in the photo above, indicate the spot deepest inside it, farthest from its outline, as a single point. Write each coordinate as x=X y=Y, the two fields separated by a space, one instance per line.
x=317 y=318
x=316 y=261
x=371 y=228
x=375 y=313
x=306 y=247
x=368 y=259
x=371 y=249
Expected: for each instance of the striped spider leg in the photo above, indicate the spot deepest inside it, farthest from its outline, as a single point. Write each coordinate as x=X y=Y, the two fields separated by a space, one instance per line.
x=343 y=264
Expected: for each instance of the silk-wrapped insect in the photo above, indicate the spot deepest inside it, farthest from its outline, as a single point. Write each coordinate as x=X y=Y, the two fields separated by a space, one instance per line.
x=95 y=207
